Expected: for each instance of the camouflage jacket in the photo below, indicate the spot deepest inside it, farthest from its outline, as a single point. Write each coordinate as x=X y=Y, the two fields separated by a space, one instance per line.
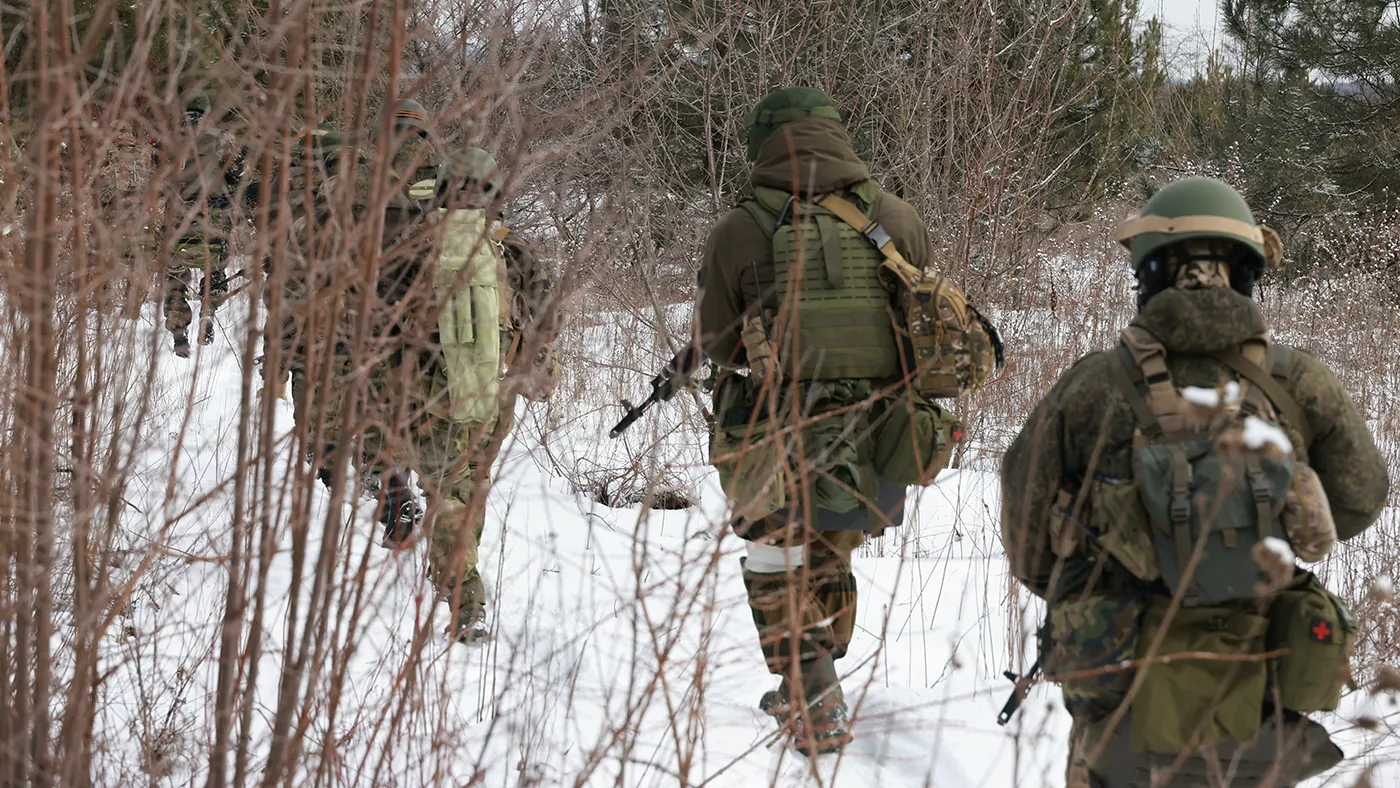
x=205 y=167
x=125 y=167
x=1086 y=411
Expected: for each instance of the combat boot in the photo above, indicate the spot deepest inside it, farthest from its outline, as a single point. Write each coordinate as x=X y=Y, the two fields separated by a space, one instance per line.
x=206 y=330
x=182 y=343
x=470 y=626
x=398 y=512
x=824 y=725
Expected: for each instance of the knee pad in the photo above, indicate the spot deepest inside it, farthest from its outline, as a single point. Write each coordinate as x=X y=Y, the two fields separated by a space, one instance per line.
x=765 y=559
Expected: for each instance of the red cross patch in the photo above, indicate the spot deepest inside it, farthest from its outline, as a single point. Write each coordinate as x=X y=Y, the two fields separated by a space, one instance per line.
x=957 y=434
x=1321 y=631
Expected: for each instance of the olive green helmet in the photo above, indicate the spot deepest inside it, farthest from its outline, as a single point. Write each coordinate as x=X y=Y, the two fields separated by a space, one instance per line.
x=1198 y=208
x=409 y=115
x=198 y=104
x=785 y=105
x=473 y=173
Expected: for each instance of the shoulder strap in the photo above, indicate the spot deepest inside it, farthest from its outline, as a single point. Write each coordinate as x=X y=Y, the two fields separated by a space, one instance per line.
x=1150 y=356
x=766 y=221
x=1254 y=373
x=846 y=211
x=1122 y=363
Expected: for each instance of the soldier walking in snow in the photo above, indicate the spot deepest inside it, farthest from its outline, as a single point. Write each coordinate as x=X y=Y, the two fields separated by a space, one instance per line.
x=468 y=299
x=820 y=417
x=1156 y=498
x=206 y=166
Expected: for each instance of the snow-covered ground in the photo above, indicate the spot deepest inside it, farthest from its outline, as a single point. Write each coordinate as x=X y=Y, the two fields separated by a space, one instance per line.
x=624 y=652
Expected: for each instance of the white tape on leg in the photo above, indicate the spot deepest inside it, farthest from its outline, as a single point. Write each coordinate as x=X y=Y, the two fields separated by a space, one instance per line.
x=765 y=559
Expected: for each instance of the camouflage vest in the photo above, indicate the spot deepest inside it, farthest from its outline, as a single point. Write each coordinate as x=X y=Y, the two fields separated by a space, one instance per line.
x=833 y=312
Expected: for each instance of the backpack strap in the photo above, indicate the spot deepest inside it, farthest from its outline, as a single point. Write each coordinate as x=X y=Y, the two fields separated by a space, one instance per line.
x=1260 y=377
x=831 y=249
x=848 y=212
x=1122 y=368
x=1150 y=356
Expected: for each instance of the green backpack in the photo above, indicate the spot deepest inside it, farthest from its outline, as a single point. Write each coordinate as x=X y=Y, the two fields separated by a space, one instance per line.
x=1212 y=473
x=467 y=287
x=833 y=312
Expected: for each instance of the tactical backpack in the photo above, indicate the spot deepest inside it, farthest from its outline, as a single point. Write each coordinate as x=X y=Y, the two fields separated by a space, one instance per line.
x=468 y=288
x=1213 y=475
x=862 y=310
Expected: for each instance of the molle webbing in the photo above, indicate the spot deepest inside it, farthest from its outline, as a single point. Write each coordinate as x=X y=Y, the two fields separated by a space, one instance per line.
x=832 y=307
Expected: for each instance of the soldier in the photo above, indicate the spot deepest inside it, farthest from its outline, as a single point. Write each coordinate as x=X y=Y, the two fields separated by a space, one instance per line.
x=787 y=278
x=312 y=314
x=126 y=214
x=412 y=184
x=200 y=217
x=450 y=371
x=1148 y=499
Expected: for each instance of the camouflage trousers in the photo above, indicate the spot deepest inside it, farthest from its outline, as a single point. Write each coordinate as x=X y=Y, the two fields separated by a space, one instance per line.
x=453 y=461
x=191 y=254
x=807 y=611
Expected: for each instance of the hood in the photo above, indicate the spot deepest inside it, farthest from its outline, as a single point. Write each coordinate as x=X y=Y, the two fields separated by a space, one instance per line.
x=825 y=160
x=1201 y=321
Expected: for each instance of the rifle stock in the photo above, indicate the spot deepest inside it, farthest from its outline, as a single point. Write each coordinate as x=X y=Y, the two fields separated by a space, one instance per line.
x=663 y=386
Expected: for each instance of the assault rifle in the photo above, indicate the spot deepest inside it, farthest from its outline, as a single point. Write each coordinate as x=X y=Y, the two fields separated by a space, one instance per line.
x=1018 y=693
x=672 y=378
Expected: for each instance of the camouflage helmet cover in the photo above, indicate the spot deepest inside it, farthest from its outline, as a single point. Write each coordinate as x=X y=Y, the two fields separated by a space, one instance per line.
x=472 y=171
x=785 y=105
x=1198 y=208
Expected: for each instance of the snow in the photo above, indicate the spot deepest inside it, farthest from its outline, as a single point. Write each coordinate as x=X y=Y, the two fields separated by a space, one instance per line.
x=624 y=651
x=1211 y=398
x=1206 y=398
x=1259 y=434
x=1280 y=548
x=1384 y=585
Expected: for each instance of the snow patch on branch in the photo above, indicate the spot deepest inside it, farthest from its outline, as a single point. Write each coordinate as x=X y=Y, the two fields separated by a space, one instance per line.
x=1259 y=434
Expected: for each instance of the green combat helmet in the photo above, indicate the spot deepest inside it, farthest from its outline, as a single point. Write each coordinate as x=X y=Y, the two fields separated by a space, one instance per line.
x=197 y=107
x=409 y=115
x=785 y=105
x=1194 y=208
x=469 y=178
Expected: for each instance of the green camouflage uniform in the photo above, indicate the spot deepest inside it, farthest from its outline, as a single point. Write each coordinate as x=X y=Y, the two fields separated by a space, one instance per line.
x=453 y=458
x=805 y=615
x=127 y=213
x=316 y=255
x=1094 y=605
x=206 y=166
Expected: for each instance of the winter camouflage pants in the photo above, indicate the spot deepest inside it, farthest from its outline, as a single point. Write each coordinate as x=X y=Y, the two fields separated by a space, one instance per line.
x=807 y=610
x=453 y=461
x=205 y=250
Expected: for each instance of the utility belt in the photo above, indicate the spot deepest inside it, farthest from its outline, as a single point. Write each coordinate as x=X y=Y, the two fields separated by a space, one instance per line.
x=844 y=451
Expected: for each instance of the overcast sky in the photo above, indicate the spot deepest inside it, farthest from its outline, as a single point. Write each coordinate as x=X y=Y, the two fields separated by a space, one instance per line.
x=1193 y=29
x=1183 y=14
